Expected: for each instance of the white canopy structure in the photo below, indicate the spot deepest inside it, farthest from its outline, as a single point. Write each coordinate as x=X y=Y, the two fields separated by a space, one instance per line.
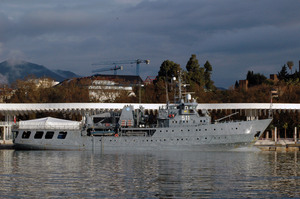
x=49 y=123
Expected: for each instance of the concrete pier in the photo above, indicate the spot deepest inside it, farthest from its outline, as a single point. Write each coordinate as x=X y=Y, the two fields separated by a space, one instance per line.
x=282 y=145
x=8 y=144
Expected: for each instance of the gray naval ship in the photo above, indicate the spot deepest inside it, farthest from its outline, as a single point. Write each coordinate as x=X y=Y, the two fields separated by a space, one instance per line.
x=178 y=126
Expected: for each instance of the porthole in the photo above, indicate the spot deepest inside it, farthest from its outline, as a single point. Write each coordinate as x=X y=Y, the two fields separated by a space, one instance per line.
x=26 y=134
x=49 y=135
x=62 y=135
x=39 y=135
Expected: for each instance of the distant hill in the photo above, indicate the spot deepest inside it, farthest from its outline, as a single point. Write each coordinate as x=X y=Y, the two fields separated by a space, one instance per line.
x=10 y=71
x=66 y=74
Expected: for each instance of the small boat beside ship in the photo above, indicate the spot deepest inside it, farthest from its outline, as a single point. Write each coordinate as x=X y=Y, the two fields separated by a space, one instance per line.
x=178 y=126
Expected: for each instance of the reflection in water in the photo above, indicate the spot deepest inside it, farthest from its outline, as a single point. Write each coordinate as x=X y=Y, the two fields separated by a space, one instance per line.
x=76 y=174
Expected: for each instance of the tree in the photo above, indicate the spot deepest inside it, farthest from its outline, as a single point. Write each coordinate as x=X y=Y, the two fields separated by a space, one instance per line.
x=195 y=74
x=209 y=84
x=255 y=78
x=290 y=65
x=236 y=86
x=168 y=69
x=283 y=75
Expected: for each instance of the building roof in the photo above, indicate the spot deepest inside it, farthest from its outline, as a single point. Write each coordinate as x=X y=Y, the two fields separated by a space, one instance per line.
x=132 y=79
x=122 y=79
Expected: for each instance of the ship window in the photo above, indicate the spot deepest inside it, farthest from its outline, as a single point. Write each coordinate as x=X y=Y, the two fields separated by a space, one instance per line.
x=203 y=120
x=197 y=138
x=39 y=135
x=49 y=135
x=172 y=130
x=62 y=135
x=26 y=134
x=200 y=120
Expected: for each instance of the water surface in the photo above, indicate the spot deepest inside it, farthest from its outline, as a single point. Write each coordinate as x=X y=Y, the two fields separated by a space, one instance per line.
x=76 y=174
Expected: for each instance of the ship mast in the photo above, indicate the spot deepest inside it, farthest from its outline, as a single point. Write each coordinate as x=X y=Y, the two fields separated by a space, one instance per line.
x=179 y=85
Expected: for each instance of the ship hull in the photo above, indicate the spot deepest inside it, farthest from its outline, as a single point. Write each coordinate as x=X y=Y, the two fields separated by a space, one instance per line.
x=218 y=136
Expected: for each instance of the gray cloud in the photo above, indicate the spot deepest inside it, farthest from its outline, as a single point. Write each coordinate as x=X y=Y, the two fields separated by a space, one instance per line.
x=235 y=36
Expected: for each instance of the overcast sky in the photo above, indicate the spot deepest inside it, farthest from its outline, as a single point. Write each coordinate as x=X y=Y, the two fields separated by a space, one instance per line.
x=233 y=35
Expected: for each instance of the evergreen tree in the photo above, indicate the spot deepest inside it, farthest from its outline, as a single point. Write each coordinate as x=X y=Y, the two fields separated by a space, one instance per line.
x=255 y=78
x=195 y=74
x=168 y=69
x=236 y=86
x=283 y=74
x=209 y=84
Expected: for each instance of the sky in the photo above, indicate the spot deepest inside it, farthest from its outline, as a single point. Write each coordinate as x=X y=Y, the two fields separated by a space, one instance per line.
x=235 y=36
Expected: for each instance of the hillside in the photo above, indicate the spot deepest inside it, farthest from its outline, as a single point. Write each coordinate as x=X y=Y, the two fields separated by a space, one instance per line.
x=11 y=71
